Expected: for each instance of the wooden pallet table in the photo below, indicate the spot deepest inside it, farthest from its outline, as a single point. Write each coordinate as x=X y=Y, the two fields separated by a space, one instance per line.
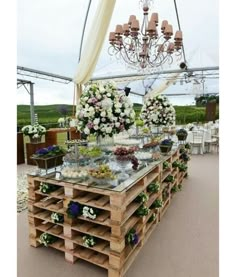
x=117 y=215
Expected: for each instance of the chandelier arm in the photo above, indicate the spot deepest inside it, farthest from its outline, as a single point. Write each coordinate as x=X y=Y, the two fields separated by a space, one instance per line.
x=177 y=15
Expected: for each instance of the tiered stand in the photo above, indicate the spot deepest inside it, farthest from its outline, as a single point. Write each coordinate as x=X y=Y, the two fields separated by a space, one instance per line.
x=116 y=218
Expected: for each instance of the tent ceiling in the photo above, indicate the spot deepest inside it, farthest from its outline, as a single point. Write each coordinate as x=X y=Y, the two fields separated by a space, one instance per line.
x=49 y=36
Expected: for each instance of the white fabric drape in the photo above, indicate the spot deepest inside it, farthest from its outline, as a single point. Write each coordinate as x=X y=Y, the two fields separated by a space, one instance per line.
x=163 y=86
x=94 y=43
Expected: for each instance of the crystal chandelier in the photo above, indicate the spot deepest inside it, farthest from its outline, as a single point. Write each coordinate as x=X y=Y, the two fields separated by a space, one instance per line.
x=145 y=47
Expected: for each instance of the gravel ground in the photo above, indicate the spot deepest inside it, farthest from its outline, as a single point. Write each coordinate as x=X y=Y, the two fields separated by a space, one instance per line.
x=22 y=188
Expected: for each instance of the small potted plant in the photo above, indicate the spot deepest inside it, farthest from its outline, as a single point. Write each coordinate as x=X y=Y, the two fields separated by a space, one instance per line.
x=166 y=145
x=182 y=134
x=49 y=157
x=34 y=132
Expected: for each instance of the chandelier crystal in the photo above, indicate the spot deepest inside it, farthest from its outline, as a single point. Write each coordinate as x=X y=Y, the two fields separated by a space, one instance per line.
x=145 y=47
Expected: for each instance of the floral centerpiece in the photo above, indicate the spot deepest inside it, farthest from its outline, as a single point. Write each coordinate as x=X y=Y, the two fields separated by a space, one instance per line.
x=34 y=132
x=158 y=111
x=104 y=111
x=166 y=145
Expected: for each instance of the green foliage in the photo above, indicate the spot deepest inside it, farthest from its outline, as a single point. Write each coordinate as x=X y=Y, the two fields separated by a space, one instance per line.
x=142 y=198
x=49 y=114
x=152 y=218
x=157 y=204
x=46 y=114
x=153 y=187
x=204 y=99
x=142 y=211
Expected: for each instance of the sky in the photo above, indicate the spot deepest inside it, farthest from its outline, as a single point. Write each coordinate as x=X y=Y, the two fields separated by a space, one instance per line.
x=49 y=35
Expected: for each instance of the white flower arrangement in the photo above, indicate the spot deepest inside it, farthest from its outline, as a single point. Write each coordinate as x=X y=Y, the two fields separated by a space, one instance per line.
x=103 y=110
x=89 y=212
x=34 y=131
x=47 y=239
x=89 y=241
x=158 y=111
x=190 y=126
x=57 y=218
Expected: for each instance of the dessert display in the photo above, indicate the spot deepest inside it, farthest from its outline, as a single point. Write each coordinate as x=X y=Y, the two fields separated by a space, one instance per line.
x=124 y=155
x=143 y=155
x=76 y=141
x=127 y=141
x=73 y=172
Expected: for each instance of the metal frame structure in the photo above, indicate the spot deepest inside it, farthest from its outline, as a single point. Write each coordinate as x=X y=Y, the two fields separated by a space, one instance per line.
x=20 y=83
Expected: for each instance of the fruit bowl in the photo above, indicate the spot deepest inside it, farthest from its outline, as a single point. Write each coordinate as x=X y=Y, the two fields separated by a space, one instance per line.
x=102 y=175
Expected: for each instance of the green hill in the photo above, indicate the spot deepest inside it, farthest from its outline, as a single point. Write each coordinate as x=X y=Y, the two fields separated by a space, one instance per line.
x=49 y=114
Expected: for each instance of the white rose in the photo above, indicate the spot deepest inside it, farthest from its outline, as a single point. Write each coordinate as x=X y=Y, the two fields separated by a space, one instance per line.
x=118 y=111
x=86 y=131
x=117 y=124
x=118 y=105
x=127 y=120
x=108 y=130
x=103 y=114
x=127 y=112
x=95 y=127
x=96 y=121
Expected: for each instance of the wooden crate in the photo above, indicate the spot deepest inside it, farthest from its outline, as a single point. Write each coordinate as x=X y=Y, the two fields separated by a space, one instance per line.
x=117 y=216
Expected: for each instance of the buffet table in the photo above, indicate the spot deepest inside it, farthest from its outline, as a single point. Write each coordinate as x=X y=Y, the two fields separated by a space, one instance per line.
x=117 y=213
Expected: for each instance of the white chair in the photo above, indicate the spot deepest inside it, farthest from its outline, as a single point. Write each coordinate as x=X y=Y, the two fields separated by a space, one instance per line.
x=197 y=142
x=213 y=142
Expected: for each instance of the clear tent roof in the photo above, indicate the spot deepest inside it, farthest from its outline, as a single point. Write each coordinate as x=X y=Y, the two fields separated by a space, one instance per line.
x=49 y=37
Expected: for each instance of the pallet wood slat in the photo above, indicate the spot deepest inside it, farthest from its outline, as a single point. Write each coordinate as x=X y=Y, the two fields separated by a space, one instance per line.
x=109 y=228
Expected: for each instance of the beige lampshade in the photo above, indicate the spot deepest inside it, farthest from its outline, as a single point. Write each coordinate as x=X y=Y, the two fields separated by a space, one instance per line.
x=154 y=17
x=135 y=25
x=151 y=26
x=126 y=27
x=131 y=18
x=119 y=29
x=179 y=36
x=168 y=29
x=163 y=25
x=112 y=36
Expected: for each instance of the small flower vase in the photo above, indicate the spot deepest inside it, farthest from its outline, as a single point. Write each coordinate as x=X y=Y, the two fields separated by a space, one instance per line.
x=123 y=166
x=104 y=141
x=35 y=140
x=155 y=129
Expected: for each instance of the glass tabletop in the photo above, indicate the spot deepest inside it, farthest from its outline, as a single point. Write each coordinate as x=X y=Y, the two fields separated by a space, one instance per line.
x=134 y=175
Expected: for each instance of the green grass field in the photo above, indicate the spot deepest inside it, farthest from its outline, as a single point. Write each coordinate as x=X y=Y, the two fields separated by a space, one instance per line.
x=49 y=114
